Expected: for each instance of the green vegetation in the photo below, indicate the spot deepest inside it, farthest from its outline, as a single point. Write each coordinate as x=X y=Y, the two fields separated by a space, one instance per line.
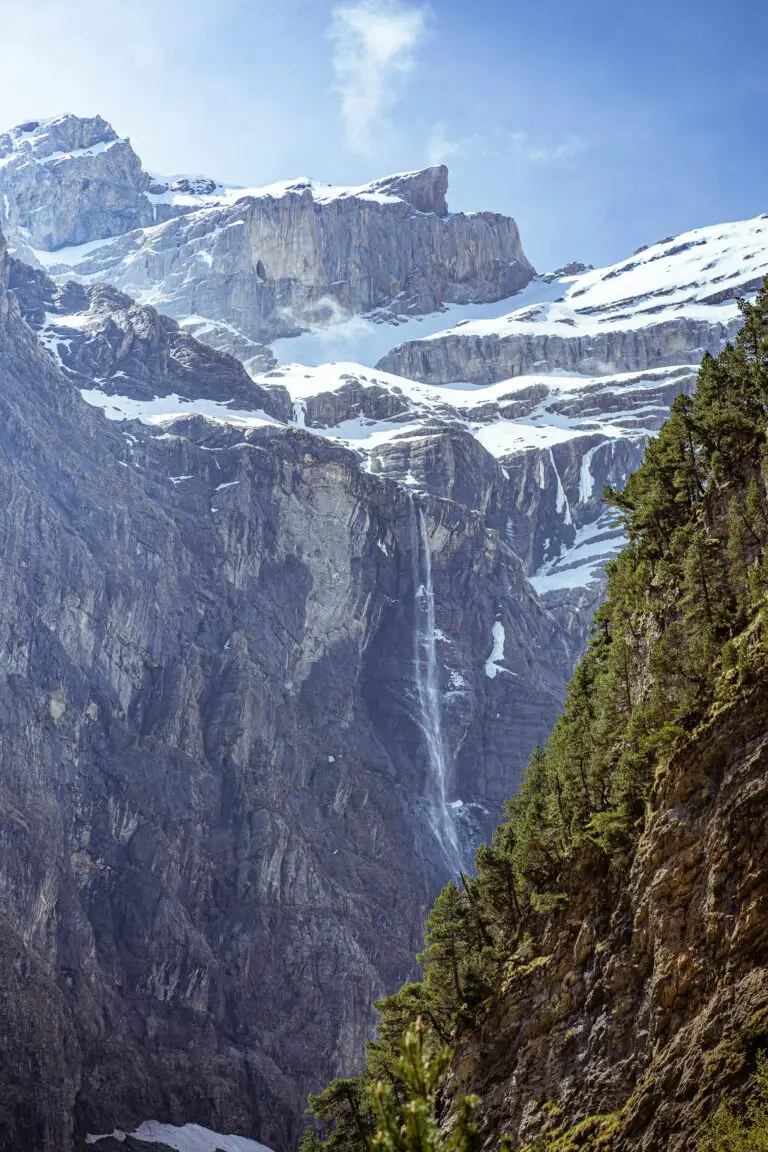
x=684 y=624
x=401 y=1112
x=730 y=1131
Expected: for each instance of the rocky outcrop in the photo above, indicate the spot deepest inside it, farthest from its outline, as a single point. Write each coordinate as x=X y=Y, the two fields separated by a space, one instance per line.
x=425 y=190
x=245 y=266
x=215 y=785
x=486 y=359
x=648 y=997
x=270 y=265
x=532 y=455
x=585 y=369
x=68 y=181
x=100 y=334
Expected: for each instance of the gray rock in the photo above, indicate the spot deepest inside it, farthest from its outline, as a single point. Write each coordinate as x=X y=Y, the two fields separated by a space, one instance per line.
x=214 y=786
x=245 y=269
x=130 y=349
x=486 y=359
x=271 y=266
x=68 y=181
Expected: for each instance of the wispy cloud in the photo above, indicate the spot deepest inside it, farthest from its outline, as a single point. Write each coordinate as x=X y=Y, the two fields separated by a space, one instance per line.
x=374 y=48
x=546 y=154
x=441 y=147
x=443 y=144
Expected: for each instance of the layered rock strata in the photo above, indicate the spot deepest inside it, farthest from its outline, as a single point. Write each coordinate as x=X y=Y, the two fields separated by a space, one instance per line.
x=216 y=794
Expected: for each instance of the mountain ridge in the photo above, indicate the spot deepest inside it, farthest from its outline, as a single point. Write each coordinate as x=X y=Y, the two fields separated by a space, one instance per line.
x=277 y=642
x=263 y=262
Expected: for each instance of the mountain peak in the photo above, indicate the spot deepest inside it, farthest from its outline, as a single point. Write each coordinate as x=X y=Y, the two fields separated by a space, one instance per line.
x=425 y=189
x=59 y=134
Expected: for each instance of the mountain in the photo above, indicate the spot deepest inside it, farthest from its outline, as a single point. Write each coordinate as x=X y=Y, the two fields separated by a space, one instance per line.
x=587 y=366
x=574 y=415
x=279 y=638
x=246 y=265
x=561 y=383
x=258 y=703
x=601 y=981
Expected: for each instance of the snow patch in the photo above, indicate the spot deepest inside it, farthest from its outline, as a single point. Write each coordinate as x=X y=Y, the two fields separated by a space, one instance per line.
x=162 y=409
x=561 y=500
x=493 y=664
x=586 y=479
x=187 y=1138
x=675 y=277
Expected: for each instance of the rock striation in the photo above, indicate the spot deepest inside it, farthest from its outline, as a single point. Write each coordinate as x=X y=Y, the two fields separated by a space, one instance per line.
x=588 y=364
x=258 y=626
x=216 y=794
x=247 y=265
x=487 y=359
x=68 y=181
x=647 y=1000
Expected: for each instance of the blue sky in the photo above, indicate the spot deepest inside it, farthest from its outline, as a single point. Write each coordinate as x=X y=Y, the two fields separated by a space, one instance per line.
x=600 y=125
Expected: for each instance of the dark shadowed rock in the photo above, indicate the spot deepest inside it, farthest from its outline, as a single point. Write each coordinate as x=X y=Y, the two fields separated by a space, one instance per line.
x=214 y=785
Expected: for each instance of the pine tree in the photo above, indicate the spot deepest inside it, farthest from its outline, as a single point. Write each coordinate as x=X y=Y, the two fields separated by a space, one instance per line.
x=413 y=1125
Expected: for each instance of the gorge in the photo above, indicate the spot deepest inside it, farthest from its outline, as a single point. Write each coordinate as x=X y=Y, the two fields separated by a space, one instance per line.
x=279 y=638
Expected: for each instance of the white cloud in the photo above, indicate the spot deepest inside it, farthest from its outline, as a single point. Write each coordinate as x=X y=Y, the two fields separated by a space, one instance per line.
x=546 y=154
x=440 y=147
x=374 y=48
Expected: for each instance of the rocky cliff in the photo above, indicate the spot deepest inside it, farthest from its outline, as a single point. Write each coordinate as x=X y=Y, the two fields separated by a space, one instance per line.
x=276 y=643
x=646 y=1000
x=68 y=181
x=254 y=709
x=247 y=265
x=668 y=304
x=486 y=359
x=601 y=981
x=589 y=361
x=361 y=268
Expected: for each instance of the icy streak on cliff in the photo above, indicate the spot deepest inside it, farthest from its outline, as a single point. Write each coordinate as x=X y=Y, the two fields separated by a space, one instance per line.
x=439 y=813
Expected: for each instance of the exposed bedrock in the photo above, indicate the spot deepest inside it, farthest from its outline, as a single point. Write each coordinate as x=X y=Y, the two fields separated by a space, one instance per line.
x=487 y=359
x=214 y=784
x=245 y=267
x=272 y=265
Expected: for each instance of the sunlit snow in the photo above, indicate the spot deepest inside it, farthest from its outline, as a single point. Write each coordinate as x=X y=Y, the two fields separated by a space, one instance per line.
x=674 y=277
x=188 y=1138
x=493 y=664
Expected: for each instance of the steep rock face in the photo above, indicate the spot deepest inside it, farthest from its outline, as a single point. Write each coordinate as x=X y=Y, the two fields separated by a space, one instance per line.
x=486 y=359
x=668 y=304
x=620 y=343
x=425 y=190
x=531 y=455
x=100 y=334
x=649 y=999
x=68 y=181
x=273 y=263
x=217 y=795
x=246 y=265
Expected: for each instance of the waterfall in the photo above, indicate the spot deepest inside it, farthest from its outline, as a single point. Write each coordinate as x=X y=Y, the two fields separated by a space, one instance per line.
x=440 y=815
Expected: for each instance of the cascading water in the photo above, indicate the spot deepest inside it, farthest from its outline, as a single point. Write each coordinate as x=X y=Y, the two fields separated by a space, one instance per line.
x=440 y=814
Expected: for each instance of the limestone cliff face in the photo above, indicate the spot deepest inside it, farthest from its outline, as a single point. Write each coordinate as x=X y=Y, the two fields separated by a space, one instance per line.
x=485 y=359
x=246 y=266
x=69 y=180
x=270 y=265
x=647 y=999
x=217 y=793
x=584 y=370
x=532 y=455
